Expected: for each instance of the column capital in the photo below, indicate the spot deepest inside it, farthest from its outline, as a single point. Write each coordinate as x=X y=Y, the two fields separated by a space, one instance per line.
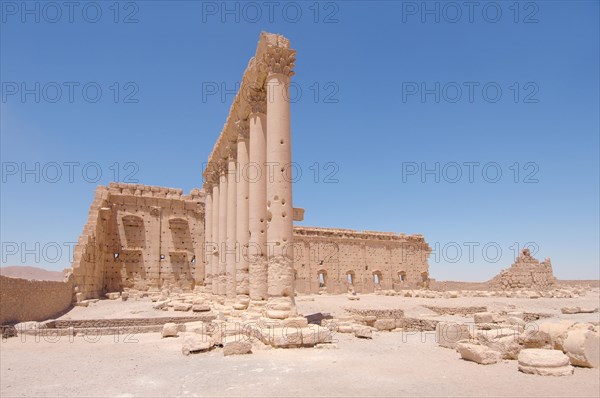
x=221 y=167
x=280 y=60
x=257 y=98
x=231 y=152
x=243 y=129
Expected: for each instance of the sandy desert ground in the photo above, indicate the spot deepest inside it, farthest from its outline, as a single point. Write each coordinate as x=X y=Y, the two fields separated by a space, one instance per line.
x=391 y=364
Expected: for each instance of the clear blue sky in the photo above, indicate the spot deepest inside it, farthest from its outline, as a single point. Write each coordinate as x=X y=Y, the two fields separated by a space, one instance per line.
x=361 y=68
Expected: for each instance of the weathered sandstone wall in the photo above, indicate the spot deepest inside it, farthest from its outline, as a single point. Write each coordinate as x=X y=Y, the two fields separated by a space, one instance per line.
x=24 y=300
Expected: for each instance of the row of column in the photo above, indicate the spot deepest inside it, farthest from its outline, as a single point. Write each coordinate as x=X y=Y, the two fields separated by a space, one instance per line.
x=249 y=217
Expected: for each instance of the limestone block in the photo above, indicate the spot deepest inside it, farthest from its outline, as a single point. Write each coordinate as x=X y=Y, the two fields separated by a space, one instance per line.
x=478 y=353
x=557 y=332
x=169 y=330
x=113 y=295
x=544 y=362
x=315 y=334
x=237 y=348
x=582 y=347
x=194 y=327
x=299 y=322
x=193 y=342
x=385 y=324
x=570 y=310
x=200 y=307
x=483 y=317
x=182 y=306
x=449 y=333
x=286 y=337
x=535 y=339
x=160 y=305
x=363 y=333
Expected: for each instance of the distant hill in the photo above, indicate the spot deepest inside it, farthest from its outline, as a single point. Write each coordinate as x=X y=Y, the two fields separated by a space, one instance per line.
x=31 y=273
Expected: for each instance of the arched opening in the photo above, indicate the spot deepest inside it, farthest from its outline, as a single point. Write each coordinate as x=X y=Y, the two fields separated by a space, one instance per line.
x=377 y=279
x=322 y=276
x=402 y=277
x=350 y=277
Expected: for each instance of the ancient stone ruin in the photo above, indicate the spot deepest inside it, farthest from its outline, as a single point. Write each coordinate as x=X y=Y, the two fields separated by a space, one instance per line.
x=235 y=237
x=525 y=273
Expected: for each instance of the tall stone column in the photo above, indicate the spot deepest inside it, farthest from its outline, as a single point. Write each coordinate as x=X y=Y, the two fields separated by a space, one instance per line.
x=231 y=251
x=223 y=228
x=208 y=249
x=214 y=262
x=279 y=188
x=242 y=288
x=257 y=198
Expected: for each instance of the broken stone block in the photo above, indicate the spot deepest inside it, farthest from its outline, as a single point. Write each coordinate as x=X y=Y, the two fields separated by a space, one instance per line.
x=237 y=348
x=449 y=333
x=478 y=353
x=200 y=307
x=298 y=322
x=182 y=306
x=582 y=347
x=385 y=324
x=557 y=332
x=193 y=342
x=535 y=339
x=159 y=305
x=363 y=333
x=194 y=327
x=578 y=310
x=315 y=334
x=169 y=330
x=326 y=346
x=113 y=295
x=483 y=317
x=544 y=362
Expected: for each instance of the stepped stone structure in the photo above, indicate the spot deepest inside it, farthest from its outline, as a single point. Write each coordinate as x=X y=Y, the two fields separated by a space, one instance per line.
x=525 y=273
x=235 y=237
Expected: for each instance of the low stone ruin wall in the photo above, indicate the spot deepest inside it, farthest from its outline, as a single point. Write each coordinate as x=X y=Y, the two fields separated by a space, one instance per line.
x=23 y=300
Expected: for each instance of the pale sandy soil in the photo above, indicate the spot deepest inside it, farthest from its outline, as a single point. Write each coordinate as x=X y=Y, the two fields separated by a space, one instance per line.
x=392 y=364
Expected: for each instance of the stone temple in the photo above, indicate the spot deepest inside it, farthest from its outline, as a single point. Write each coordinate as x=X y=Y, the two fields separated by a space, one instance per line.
x=235 y=237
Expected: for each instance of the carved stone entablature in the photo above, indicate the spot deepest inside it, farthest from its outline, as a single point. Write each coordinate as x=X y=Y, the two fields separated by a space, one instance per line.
x=257 y=100
x=243 y=129
x=280 y=60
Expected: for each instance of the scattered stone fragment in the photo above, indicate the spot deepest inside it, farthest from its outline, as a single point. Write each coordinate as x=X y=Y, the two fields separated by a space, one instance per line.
x=363 y=333
x=169 y=330
x=200 y=307
x=385 y=324
x=449 y=333
x=478 y=353
x=193 y=342
x=182 y=306
x=582 y=347
x=237 y=348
